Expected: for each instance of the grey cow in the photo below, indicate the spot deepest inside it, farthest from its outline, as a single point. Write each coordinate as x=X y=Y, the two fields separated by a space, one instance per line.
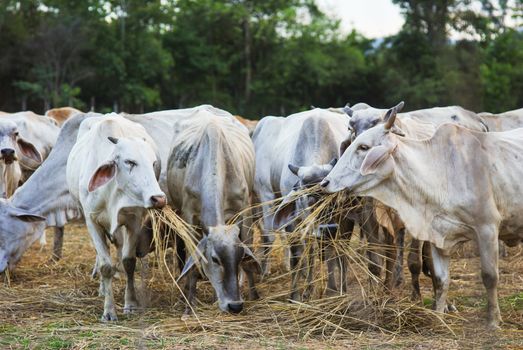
x=210 y=176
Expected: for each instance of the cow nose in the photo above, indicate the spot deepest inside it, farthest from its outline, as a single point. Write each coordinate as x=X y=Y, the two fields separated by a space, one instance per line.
x=235 y=308
x=8 y=154
x=325 y=183
x=158 y=202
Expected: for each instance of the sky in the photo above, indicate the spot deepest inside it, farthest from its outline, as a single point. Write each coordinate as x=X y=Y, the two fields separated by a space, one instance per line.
x=372 y=18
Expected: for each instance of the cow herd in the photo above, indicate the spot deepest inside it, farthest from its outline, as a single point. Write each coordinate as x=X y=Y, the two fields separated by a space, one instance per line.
x=442 y=175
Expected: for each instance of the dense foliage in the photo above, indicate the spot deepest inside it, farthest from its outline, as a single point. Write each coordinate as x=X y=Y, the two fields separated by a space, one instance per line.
x=254 y=57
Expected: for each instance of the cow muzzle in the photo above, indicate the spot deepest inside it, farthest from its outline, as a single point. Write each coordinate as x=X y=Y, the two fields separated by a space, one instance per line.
x=235 y=308
x=158 y=202
x=8 y=155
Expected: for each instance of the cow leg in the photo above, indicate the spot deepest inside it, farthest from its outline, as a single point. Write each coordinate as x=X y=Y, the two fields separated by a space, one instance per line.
x=397 y=277
x=489 y=255
x=58 y=243
x=390 y=259
x=190 y=291
x=130 y=239
x=310 y=269
x=370 y=230
x=414 y=263
x=327 y=254
x=267 y=239
x=246 y=237
x=440 y=278
x=105 y=268
x=296 y=256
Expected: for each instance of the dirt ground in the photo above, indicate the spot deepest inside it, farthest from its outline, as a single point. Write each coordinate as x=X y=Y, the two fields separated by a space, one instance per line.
x=47 y=305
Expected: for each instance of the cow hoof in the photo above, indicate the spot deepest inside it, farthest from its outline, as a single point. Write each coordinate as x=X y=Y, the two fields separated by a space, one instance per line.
x=295 y=296
x=109 y=317
x=493 y=326
x=450 y=309
x=130 y=309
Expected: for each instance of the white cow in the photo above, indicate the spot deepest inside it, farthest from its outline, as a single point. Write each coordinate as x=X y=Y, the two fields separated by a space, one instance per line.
x=293 y=153
x=25 y=141
x=456 y=186
x=503 y=121
x=112 y=171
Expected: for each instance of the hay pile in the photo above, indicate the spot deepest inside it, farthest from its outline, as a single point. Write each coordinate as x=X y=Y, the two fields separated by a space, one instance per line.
x=57 y=304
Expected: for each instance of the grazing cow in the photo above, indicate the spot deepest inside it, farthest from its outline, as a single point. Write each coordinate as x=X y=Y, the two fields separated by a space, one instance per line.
x=61 y=115
x=456 y=186
x=418 y=124
x=293 y=153
x=112 y=172
x=503 y=121
x=44 y=195
x=25 y=141
x=210 y=177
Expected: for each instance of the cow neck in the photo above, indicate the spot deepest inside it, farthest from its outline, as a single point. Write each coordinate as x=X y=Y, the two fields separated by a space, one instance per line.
x=410 y=188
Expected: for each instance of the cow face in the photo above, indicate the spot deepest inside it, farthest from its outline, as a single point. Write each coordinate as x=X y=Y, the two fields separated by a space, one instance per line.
x=367 y=161
x=223 y=254
x=293 y=206
x=18 y=230
x=364 y=119
x=13 y=146
x=133 y=167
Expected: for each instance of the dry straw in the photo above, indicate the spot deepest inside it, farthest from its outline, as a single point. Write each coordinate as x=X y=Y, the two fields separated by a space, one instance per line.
x=366 y=306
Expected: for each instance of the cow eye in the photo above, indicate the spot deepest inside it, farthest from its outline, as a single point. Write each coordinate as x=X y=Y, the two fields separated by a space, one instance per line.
x=131 y=163
x=16 y=133
x=215 y=260
x=363 y=147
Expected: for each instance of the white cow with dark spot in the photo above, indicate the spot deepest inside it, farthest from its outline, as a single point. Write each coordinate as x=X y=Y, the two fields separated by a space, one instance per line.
x=112 y=171
x=210 y=177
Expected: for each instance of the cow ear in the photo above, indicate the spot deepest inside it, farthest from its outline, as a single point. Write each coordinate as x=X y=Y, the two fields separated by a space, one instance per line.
x=373 y=159
x=390 y=116
x=25 y=215
x=195 y=258
x=249 y=260
x=348 y=111
x=29 y=150
x=345 y=144
x=294 y=169
x=102 y=175
x=285 y=211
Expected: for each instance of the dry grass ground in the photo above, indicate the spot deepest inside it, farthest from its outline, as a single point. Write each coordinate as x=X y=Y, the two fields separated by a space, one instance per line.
x=48 y=305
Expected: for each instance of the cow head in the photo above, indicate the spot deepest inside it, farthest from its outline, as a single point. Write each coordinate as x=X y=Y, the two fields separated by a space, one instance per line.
x=18 y=230
x=367 y=161
x=220 y=254
x=292 y=205
x=12 y=149
x=362 y=119
x=133 y=167
x=13 y=146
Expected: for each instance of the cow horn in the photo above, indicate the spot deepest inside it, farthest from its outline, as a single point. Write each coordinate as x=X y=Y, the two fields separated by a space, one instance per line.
x=294 y=169
x=348 y=110
x=113 y=139
x=390 y=116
